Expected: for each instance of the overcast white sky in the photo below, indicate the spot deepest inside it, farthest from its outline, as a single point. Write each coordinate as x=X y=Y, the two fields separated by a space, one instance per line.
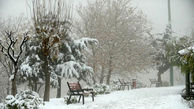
x=182 y=12
x=155 y=10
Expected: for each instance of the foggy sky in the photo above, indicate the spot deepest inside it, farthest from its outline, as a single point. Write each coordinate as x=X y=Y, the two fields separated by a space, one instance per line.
x=1 y=6
x=157 y=14
x=155 y=10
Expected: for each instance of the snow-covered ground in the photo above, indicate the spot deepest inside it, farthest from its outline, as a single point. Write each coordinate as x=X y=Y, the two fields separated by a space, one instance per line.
x=146 y=98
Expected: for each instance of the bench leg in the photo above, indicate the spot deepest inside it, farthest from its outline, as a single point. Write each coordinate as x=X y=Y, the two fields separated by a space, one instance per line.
x=92 y=96
x=79 y=98
x=68 y=100
x=83 y=98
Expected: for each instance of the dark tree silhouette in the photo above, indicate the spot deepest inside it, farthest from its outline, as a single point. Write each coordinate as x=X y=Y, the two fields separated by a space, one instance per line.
x=9 y=50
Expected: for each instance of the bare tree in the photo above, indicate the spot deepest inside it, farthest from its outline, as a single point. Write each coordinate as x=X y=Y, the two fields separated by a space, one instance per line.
x=12 y=42
x=119 y=29
x=8 y=50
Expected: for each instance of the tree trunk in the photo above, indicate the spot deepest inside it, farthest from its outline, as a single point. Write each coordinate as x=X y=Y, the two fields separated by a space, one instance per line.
x=30 y=84
x=14 y=87
x=59 y=88
x=159 y=79
x=93 y=78
x=102 y=75
x=109 y=72
x=187 y=82
x=192 y=76
x=35 y=86
x=163 y=68
x=8 y=87
x=94 y=66
x=108 y=77
x=171 y=76
x=47 y=80
x=94 y=75
x=8 y=75
x=38 y=90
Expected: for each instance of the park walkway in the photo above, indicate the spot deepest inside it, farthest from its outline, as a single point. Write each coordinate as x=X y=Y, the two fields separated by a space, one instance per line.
x=146 y=98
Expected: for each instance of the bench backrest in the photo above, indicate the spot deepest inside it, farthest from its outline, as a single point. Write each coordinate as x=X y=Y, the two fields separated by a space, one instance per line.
x=74 y=86
x=153 y=81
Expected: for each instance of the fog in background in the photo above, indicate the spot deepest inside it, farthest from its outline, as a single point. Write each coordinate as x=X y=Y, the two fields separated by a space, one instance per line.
x=155 y=10
x=157 y=13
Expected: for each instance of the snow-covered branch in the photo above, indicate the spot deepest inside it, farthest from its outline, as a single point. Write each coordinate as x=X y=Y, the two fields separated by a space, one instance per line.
x=83 y=43
x=9 y=50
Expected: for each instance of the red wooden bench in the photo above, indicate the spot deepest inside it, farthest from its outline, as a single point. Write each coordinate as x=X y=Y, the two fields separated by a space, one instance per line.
x=76 y=90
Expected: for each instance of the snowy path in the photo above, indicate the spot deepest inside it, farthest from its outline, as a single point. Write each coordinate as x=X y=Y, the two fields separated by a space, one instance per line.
x=148 y=98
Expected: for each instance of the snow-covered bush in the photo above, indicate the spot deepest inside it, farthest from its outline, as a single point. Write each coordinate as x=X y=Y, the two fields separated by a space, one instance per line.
x=10 y=102
x=23 y=100
x=115 y=87
x=1 y=106
x=101 y=89
x=72 y=100
x=190 y=103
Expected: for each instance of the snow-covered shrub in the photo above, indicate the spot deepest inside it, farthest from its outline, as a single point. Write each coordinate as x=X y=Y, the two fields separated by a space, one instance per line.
x=115 y=87
x=10 y=102
x=190 y=103
x=2 y=106
x=101 y=89
x=72 y=100
x=23 y=100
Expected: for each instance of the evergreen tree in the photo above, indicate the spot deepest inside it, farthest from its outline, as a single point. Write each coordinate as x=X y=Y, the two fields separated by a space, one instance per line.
x=56 y=53
x=163 y=51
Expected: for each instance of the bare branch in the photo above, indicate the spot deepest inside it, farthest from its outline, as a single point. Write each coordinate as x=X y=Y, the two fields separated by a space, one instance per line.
x=25 y=39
